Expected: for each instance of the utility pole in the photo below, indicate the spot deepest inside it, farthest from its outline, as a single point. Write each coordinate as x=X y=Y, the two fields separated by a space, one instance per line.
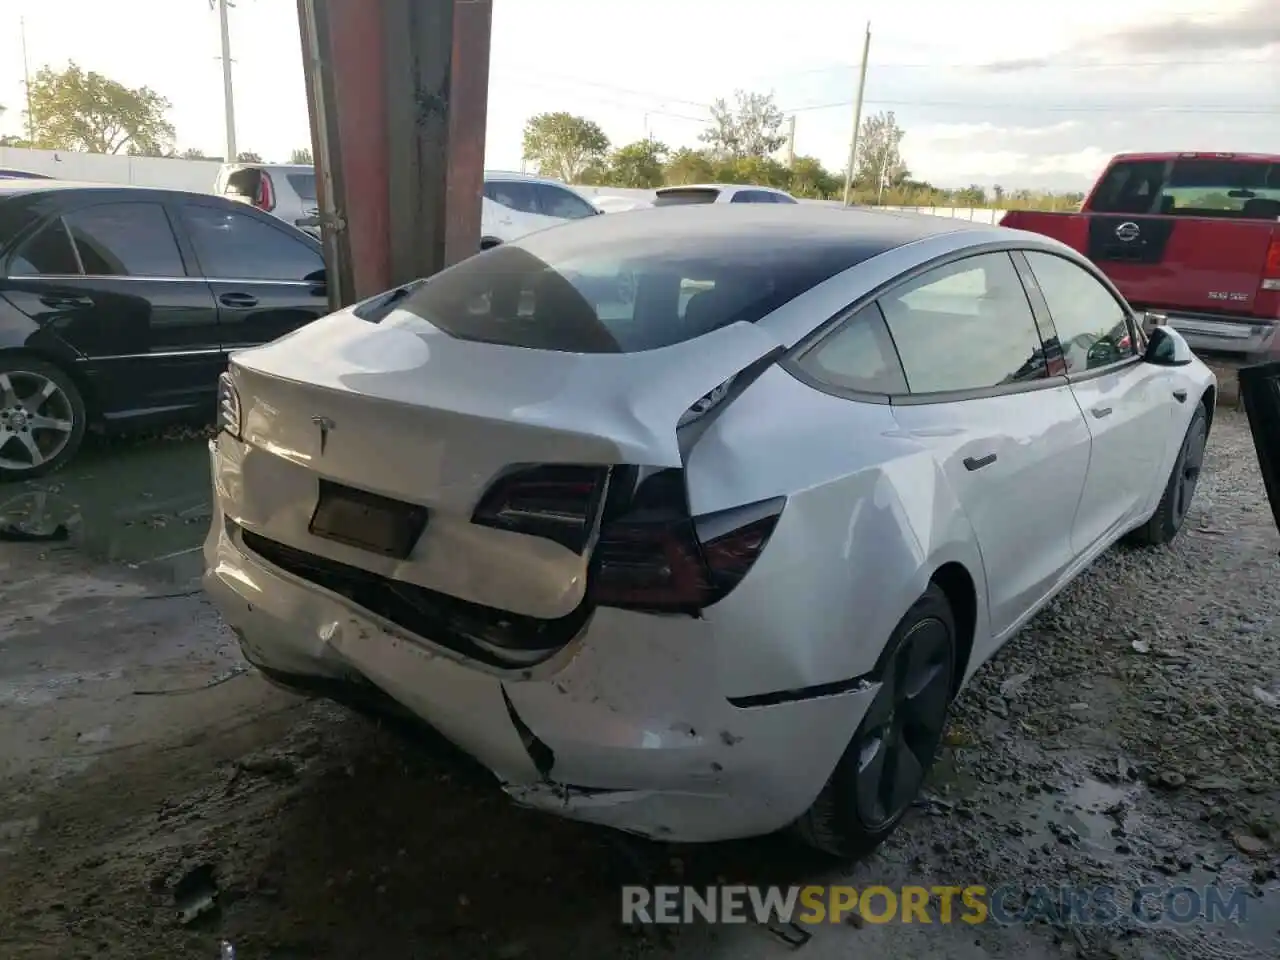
x=26 y=79
x=857 y=115
x=227 y=95
x=791 y=142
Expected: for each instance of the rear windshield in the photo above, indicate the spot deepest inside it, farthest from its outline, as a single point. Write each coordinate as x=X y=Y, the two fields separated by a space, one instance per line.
x=672 y=198
x=243 y=183
x=1248 y=190
x=304 y=185
x=585 y=292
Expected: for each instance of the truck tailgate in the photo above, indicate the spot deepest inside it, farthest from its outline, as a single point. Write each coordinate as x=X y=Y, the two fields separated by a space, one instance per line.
x=1069 y=228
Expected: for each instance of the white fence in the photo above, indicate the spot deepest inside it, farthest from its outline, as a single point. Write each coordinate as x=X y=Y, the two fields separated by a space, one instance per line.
x=199 y=175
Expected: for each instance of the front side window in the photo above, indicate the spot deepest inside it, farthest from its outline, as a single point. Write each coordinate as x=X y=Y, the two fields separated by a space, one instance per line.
x=562 y=204
x=965 y=326
x=236 y=246
x=1093 y=329
x=859 y=356
x=125 y=240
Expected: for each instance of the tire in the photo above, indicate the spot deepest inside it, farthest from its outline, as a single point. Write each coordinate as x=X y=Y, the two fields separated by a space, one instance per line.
x=1179 y=490
x=34 y=397
x=841 y=821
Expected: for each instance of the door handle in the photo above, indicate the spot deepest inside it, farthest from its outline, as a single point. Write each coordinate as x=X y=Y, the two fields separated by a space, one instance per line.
x=1180 y=396
x=977 y=463
x=1101 y=412
x=66 y=302
x=238 y=300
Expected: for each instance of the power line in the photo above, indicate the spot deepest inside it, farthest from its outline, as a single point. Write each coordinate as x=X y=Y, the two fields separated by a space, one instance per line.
x=634 y=107
x=1096 y=108
x=647 y=94
x=1015 y=65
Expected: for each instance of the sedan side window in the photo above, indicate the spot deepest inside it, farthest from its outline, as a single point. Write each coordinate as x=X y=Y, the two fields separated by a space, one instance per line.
x=965 y=326
x=1092 y=326
x=512 y=194
x=125 y=240
x=858 y=356
x=562 y=204
x=48 y=252
x=236 y=246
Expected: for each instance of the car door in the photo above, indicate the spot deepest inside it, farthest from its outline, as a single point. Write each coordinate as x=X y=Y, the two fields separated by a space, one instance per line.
x=267 y=279
x=1127 y=404
x=1008 y=436
x=560 y=204
x=109 y=279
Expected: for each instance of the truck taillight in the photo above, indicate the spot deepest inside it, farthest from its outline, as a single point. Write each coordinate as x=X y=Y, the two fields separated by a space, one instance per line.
x=1271 y=272
x=264 y=197
x=554 y=501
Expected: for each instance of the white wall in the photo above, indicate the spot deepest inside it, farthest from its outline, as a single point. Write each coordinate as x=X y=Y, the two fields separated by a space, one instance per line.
x=198 y=175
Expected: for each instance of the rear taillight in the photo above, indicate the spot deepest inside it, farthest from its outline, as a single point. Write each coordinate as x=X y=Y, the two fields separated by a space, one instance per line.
x=1271 y=271
x=265 y=196
x=556 y=502
x=653 y=557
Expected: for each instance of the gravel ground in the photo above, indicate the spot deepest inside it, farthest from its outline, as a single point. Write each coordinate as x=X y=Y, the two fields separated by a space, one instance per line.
x=1130 y=735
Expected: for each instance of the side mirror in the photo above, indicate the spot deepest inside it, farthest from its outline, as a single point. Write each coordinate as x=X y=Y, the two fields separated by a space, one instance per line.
x=1167 y=348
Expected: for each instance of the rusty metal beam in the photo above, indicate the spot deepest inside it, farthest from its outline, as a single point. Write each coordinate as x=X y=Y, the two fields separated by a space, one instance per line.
x=398 y=93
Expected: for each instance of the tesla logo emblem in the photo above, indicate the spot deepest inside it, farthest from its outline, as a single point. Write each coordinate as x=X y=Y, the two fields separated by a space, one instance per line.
x=1128 y=232
x=325 y=425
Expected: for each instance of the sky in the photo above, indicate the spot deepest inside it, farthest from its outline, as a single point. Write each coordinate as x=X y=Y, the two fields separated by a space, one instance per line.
x=987 y=91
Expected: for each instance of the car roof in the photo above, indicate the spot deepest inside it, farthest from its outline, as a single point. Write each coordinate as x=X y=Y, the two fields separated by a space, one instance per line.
x=863 y=232
x=17 y=187
x=262 y=165
x=719 y=186
x=1191 y=155
x=524 y=177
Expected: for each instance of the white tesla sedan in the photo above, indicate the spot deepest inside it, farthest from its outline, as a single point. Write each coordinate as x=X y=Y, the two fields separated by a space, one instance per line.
x=709 y=551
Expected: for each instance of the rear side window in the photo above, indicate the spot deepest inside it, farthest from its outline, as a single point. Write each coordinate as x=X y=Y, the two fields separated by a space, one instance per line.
x=512 y=194
x=965 y=326
x=1092 y=327
x=858 y=357
x=125 y=240
x=48 y=252
x=578 y=295
x=304 y=185
x=675 y=198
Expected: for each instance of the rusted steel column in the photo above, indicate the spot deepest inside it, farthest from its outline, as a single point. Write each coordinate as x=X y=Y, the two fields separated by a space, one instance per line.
x=398 y=91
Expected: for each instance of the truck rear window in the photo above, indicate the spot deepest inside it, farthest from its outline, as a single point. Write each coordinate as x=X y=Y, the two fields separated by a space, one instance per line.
x=1248 y=190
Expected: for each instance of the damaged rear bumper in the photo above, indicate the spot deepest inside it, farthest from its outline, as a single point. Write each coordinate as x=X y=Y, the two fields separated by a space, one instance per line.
x=628 y=726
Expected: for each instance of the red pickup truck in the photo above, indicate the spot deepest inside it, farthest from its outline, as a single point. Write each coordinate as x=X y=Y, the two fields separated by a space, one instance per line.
x=1191 y=238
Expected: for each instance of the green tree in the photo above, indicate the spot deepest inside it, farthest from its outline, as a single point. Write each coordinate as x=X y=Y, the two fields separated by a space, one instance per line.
x=193 y=153
x=302 y=155
x=751 y=127
x=764 y=171
x=75 y=110
x=688 y=166
x=563 y=145
x=879 y=158
x=248 y=156
x=809 y=178
x=638 y=164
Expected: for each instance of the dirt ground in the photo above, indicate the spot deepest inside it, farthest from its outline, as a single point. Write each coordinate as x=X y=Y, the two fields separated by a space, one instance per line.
x=1129 y=736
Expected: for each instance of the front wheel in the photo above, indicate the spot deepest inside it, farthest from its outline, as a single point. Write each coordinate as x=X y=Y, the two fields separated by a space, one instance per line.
x=42 y=418
x=883 y=768
x=1180 y=488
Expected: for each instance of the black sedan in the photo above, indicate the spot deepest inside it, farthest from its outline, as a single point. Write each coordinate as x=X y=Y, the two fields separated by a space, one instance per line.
x=120 y=305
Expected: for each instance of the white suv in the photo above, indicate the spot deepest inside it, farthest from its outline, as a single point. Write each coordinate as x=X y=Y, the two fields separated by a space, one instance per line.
x=516 y=204
x=287 y=191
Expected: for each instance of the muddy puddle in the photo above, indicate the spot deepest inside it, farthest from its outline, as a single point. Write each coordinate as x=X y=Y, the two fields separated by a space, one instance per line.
x=142 y=503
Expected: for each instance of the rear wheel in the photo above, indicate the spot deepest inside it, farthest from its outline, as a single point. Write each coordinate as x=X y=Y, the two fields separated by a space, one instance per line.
x=42 y=418
x=881 y=772
x=1180 y=489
